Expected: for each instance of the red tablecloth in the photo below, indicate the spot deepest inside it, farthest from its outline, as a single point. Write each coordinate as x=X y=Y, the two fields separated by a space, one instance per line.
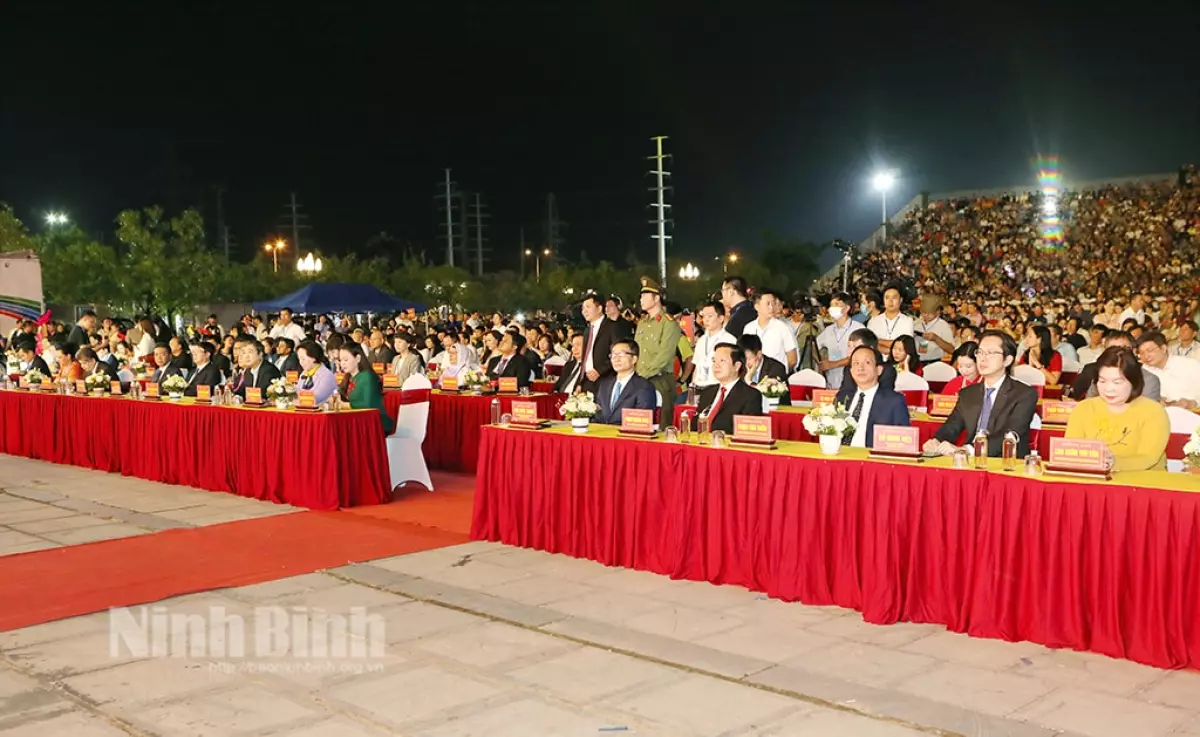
x=322 y=460
x=1106 y=568
x=452 y=438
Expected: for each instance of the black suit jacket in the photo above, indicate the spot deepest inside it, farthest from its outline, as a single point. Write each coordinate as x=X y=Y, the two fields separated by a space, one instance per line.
x=209 y=375
x=382 y=354
x=292 y=363
x=40 y=364
x=567 y=377
x=608 y=333
x=638 y=393
x=741 y=316
x=266 y=374
x=182 y=362
x=78 y=337
x=742 y=399
x=1012 y=409
x=160 y=375
x=224 y=365
x=887 y=408
x=772 y=368
x=517 y=366
x=106 y=368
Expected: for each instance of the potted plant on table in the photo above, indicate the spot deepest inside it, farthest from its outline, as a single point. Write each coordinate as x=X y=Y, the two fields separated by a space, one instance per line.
x=97 y=384
x=1191 y=452
x=174 y=386
x=830 y=423
x=282 y=393
x=772 y=390
x=580 y=409
x=476 y=380
x=35 y=378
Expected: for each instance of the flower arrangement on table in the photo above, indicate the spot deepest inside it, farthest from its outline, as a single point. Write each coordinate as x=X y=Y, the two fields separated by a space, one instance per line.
x=140 y=370
x=474 y=379
x=830 y=421
x=34 y=377
x=174 y=385
x=580 y=409
x=97 y=383
x=773 y=389
x=281 y=392
x=1191 y=451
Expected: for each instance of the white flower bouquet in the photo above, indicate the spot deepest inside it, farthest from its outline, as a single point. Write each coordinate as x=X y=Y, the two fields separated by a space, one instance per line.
x=772 y=388
x=474 y=379
x=831 y=419
x=174 y=384
x=579 y=406
x=34 y=377
x=140 y=370
x=281 y=389
x=97 y=382
x=1191 y=451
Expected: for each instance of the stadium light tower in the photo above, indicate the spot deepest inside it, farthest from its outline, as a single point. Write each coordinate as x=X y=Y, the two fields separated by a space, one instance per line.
x=56 y=218
x=882 y=182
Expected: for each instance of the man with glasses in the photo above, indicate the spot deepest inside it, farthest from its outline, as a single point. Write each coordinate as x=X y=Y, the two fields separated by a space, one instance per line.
x=623 y=389
x=998 y=404
x=1180 y=377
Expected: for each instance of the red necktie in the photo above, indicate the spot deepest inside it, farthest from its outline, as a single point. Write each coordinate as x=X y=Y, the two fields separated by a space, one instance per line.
x=716 y=406
x=500 y=367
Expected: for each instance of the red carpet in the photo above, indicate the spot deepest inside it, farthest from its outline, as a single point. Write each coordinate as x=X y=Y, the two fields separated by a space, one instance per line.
x=65 y=582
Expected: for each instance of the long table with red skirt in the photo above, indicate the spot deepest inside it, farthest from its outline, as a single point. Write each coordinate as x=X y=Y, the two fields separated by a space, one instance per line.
x=452 y=436
x=787 y=423
x=319 y=460
x=1108 y=567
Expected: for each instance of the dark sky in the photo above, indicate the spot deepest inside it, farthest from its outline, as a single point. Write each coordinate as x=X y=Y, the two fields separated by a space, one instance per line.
x=776 y=117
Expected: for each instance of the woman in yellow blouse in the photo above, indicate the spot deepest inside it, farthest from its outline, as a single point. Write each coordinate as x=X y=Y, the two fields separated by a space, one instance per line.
x=1134 y=428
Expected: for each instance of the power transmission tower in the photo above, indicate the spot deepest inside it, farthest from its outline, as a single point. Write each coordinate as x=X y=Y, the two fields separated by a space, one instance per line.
x=294 y=221
x=479 y=216
x=222 y=231
x=554 y=228
x=454 y=231
x=662 y=220
x=228 y=242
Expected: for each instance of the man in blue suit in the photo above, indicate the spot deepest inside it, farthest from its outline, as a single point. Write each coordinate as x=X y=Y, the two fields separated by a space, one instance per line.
x=624 y=389
x=870 y=402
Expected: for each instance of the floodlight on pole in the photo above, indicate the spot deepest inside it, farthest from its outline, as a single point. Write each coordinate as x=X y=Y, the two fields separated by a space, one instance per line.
x=689 y=272
x=56 y=218
x=274 y=249
x=882 y=182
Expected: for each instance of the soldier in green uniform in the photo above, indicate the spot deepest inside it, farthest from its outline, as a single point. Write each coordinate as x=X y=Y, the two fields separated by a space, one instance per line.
x=657 y=338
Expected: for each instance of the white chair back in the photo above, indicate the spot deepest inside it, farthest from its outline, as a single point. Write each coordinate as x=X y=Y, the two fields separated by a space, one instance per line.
x=1071 y=367
x=1182 y=420
x=555 y=361
x=807 y=377
x=405 y=460
x=125 y=376
x=907 y=382
x=1027 y=374
x=940 y=371
x=412 y=419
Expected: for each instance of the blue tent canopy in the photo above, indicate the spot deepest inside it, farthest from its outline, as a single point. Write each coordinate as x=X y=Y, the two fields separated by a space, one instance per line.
x=351 y=298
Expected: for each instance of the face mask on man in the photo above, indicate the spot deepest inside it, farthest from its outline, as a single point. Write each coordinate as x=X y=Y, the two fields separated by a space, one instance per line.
x=836 y=312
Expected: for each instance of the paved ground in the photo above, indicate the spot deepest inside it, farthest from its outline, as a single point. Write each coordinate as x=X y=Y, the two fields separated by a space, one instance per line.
x=486 y=640
x=43 y=505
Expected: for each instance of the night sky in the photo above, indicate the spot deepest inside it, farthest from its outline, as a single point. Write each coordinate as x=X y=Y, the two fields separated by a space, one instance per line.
x=776 y=117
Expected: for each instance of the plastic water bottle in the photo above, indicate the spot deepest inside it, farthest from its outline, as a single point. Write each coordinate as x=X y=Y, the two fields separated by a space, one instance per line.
x=495 y=410
x=981 y=449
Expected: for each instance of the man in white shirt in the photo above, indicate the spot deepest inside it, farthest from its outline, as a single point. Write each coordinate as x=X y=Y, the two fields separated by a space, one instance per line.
x=833 y=344
x=1180 y=376
x=891 y=323
x=934 y=336
x=1095 y=345
x=1186 y=346
x=285 y=328
x=779 y=342
x=1135 y=311
x=712 y=319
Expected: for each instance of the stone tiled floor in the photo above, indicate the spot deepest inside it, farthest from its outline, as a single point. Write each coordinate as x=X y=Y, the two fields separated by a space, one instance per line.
x=44 y=506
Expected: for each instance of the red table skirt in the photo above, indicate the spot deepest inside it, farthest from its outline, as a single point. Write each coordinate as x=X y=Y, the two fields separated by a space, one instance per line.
x=319 y=461
x=1108 y=569
x=452 y=437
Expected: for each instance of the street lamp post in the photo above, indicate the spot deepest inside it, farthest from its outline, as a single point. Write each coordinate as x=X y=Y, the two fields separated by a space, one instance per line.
x=56 y=218
x=882 y=182
x=309 y=266
x=689 y=273
x=275 y=248
x=537 y=261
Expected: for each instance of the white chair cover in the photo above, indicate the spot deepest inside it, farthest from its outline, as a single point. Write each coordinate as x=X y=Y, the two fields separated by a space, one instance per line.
x=940 y=371
x=1027 y=374
x=406 y=463
x=807 y=377
x=555 y=361
x=907 y=382
x=1182 y=420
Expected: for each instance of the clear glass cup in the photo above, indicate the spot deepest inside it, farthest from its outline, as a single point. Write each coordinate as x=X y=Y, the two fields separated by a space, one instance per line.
x=505 y=419
x=718 y=439
x=1033 y=464
x=961 y=460
x=671 y=435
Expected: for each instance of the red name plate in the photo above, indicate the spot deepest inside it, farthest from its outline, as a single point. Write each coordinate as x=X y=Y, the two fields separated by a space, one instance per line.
x=1056 y=413
x=338 y=378
x=378 y=368
x=508 y=384
x=941 y=405
x=114 y=388
x=292 y=377
x=1079 y=455
x=637 y=421
x=151 y=389
x=81 y=386
x=450 y=383
x=391 y=381
x=896 y=439
x=524 y=413
x=253 y=395
x=752 y=429
x=23 y=383
x=306 y=400
x=823 y=397
x=203 y=393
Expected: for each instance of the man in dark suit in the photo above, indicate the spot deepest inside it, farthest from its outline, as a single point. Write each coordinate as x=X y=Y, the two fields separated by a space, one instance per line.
x=181 y=359
x=572 y=374
x=870 y=401
x=759 y=367
x=510 y=362
x=27 y=352
x=206 y=372
x=79 y=335
x=166 y=367
x=91 y=364
x=286 y=359
x=731 y=395
x=624 y=389
x=998 y=404
x=256 y=371
x=598 y=341
x=380 y=351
